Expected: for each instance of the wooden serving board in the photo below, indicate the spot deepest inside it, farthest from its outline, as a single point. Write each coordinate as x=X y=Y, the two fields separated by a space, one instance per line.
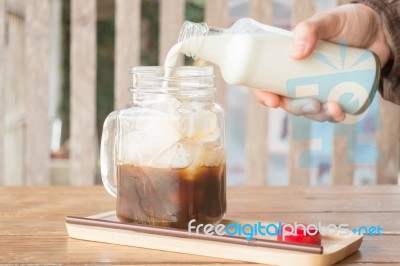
x=335 y=247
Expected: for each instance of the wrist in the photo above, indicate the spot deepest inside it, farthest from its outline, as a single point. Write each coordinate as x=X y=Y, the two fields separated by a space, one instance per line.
x=382 y=46
x=388 y=17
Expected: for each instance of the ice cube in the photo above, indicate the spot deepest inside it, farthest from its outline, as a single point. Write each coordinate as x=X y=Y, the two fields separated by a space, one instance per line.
x=131 y=148
x=194 y=150
x=151 y=119
x=199 y=124
x=183 y=157
x=185 y=154
x=213 y=137
x=165 y=158
x=159 y=130
x=177 y=157
x=155 y=132
x=213 y=154
x=166 y=104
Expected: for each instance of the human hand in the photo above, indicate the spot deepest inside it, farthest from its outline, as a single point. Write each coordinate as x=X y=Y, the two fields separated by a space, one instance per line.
x=359 y=25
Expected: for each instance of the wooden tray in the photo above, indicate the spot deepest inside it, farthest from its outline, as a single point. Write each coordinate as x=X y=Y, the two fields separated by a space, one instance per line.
x=335 y=247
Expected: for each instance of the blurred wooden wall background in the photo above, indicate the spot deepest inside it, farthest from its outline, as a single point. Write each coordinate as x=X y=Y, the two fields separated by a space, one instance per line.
x=29 y=71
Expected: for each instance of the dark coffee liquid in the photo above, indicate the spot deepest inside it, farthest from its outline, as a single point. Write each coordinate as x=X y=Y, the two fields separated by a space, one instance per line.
x=170 y=197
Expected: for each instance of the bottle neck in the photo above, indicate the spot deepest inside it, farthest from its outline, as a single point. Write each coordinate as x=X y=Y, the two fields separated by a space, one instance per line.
x=191 y=37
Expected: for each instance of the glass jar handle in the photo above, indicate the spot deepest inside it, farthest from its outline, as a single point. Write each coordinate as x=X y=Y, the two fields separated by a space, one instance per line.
x=107 y=154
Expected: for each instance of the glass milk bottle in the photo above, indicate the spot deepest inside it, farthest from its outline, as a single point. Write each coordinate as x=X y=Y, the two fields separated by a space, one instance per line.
x=257 y=55
x=164 y=158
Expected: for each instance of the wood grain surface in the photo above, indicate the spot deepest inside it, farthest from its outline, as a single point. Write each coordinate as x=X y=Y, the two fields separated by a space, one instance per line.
x=32 y=222
x=127 y=48
x=37 y=49
x=83 y=134
x=299 y=175
x=216 y=14
x=256 y=141
x=171 y=19
x=2 y=85
x=388 y=143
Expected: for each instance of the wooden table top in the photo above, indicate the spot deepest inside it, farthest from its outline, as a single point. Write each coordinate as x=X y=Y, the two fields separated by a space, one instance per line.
x=32 y=222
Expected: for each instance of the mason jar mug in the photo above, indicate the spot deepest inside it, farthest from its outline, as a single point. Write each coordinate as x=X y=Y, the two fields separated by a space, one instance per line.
x=164 y=157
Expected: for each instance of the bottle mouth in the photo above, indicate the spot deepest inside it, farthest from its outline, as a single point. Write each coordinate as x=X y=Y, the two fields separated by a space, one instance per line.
x=191 y=36
x=192 y=30
x=182 y=79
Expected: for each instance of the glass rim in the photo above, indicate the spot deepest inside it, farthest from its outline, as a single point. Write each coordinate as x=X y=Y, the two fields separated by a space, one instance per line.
x=182 y=79
x=204 y=70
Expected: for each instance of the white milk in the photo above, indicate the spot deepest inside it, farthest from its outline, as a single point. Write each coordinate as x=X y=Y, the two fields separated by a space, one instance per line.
x=172 y=56
x=262 y=61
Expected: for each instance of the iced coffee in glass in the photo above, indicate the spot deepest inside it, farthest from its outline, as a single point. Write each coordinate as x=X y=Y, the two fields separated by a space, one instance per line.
x=164 y=158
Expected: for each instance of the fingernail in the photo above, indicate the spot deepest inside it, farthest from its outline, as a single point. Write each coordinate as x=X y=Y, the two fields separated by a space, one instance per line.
x=267 y=102
x=309 y=108
x=326 y=110
x=298 y=47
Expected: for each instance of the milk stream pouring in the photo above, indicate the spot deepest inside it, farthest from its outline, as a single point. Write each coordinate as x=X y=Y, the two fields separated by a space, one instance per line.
x=257 y=56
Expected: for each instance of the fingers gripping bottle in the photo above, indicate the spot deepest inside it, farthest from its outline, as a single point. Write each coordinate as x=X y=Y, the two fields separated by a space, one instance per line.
x=257 y=56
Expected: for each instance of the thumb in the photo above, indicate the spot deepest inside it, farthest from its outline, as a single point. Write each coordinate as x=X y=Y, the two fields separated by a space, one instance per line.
x=307 y=33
